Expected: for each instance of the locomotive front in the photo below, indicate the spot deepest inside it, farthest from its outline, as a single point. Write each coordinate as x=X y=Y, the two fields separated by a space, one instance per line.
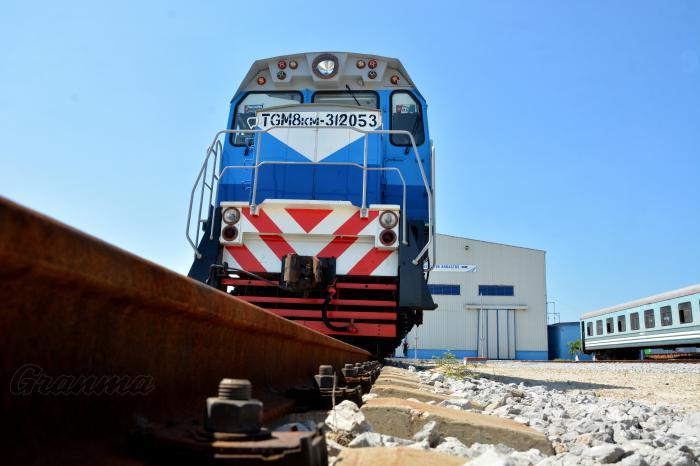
x=321 y=197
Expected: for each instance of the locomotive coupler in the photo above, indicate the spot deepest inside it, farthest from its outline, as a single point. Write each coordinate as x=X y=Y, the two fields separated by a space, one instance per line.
x=305 y=273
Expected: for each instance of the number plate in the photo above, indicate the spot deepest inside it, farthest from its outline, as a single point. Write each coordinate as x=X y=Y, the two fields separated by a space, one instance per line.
x=362 y=120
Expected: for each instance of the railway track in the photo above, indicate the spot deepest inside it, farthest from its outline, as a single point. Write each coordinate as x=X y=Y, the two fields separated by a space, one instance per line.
x=76 y=310
x=429 y=363
x=663 y=361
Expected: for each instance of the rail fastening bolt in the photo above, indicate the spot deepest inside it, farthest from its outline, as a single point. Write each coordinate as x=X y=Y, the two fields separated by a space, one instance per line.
x=325 y=378
x=233 y=411
x=349 y=370
x=235 y=389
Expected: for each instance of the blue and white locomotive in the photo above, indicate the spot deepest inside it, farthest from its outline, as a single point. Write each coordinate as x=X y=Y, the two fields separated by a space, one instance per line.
x=317 y=201
x=668 y=320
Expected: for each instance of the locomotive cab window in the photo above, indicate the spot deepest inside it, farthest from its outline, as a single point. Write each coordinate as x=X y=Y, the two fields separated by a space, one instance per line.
x=685 y=313
x=621 y=324
x=666 y=317
x=634 y=321
x=609 y=325
x=589 y=329
x=598 y=327
x=355 y=98
x=406 y=115
x=244 y=116
x=649 y=318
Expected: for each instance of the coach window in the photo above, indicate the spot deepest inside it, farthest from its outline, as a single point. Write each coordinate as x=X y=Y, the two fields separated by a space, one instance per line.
x=621 y=324
x=406 y=115
x=355 y=98
x=666 y=317
x=598 y=327
x=589 y=329
x=649 y=318
x=609 y=325
x=685 y=313
x=244 y=116
x=634 y=321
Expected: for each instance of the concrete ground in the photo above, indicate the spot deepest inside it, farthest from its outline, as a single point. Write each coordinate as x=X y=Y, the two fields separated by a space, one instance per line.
x=673 y=384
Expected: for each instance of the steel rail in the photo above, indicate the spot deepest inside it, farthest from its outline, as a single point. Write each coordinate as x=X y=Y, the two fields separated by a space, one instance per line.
x=75 y=306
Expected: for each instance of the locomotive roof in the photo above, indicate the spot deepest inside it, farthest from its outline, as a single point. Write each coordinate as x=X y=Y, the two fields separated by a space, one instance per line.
x=347 y=68
x=688 y=290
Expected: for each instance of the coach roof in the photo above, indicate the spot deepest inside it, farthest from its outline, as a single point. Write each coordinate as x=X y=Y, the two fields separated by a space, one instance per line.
x=641 y=302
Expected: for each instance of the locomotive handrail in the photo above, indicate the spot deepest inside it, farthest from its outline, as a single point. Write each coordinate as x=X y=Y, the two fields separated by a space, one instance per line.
x=216 y=145
x=432 y=186
x=215 y=149
x=349 y=164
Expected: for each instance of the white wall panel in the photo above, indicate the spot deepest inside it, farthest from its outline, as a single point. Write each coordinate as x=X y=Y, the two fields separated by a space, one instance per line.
x=452 y=326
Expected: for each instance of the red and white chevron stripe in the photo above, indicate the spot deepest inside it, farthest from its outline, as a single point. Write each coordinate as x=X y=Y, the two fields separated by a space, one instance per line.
x=311 y=228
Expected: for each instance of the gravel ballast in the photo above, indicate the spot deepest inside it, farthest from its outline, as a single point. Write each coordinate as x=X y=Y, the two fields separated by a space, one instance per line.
x=583 y=427
x=675 y=384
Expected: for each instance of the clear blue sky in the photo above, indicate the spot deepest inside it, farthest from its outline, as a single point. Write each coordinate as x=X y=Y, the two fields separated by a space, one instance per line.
x=572 y=127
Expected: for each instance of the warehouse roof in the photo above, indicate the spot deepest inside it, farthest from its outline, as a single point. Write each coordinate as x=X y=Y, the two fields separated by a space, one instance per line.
x=492 y=242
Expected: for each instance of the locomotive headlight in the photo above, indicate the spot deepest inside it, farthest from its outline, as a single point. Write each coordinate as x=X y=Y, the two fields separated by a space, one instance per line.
x=325 y=67
x=231 y=216
x=388 y=219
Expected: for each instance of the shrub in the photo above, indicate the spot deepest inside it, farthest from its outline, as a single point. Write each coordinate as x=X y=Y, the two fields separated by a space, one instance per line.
x=574 y=347
x=453 y=367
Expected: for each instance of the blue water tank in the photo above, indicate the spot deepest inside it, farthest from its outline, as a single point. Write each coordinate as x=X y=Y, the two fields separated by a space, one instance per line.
x=559 y=336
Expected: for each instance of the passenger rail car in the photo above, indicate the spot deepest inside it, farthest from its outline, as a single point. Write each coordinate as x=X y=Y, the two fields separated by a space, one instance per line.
x=317 y=201
x=668 y=320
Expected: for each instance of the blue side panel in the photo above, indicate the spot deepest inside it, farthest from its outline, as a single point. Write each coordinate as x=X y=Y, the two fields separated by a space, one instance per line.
x=416 y=198
x=532 y=355
x=438 y=353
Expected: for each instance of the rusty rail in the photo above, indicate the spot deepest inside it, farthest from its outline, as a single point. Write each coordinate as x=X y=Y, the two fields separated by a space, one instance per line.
x=73 y=305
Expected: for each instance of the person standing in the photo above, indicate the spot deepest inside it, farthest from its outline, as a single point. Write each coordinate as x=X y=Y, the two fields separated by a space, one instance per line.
x=405 y=347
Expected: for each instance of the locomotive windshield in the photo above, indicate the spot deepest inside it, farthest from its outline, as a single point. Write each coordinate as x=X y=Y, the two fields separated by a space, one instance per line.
x=365 y=99
x=406 y=115
x=245 y=110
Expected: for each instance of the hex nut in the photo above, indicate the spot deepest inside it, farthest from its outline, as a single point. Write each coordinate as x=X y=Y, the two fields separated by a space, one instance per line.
x=233 y=416
x=325 y=381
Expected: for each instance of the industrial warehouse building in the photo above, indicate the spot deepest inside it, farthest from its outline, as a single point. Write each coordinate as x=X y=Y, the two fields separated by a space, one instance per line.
x=492 y=302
